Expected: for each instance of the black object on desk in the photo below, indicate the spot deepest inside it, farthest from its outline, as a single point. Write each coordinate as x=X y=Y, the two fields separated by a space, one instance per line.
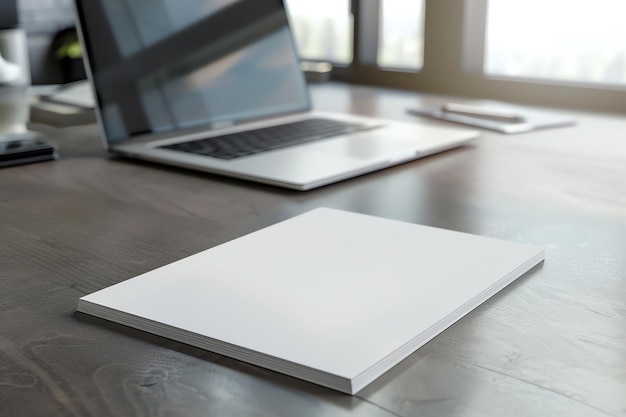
x=9 y=18
x=24 y=148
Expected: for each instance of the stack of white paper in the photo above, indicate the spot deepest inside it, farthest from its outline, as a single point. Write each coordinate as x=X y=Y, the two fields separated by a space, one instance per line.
x=332 y=297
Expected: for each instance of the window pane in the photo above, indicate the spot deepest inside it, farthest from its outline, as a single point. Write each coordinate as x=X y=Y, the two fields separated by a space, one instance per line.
x=401 y=39
x=570 y=40
x=323 y=29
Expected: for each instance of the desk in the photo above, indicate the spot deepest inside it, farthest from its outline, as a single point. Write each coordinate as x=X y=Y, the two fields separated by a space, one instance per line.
x=553 y=343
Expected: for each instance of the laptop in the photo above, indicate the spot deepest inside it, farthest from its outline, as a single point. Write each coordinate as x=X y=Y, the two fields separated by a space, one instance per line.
x=215 y=86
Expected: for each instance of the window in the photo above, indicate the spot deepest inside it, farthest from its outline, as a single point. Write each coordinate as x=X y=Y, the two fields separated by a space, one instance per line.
x=401 y=35
x=588 y=44
x=323 y=29
x=545 y=52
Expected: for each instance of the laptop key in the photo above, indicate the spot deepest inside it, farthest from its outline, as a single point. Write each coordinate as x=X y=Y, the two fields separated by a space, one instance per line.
x=234 y=145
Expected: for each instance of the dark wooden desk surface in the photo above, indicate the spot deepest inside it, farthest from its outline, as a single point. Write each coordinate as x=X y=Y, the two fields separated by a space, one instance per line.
x=553 y=343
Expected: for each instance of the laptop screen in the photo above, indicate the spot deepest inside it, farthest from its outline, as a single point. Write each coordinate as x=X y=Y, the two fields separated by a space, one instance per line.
x=166 y=65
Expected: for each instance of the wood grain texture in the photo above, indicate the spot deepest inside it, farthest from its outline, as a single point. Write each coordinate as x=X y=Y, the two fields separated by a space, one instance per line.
x=553 y=343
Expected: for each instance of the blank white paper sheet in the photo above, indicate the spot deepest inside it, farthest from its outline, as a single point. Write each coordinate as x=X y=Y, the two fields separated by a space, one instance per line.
x=332 y=297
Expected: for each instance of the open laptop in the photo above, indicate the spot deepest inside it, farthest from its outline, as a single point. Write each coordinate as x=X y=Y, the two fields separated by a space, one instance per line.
x=215 y=85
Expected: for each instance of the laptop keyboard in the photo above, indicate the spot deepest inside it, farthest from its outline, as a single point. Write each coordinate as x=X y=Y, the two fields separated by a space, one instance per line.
x=239 y=144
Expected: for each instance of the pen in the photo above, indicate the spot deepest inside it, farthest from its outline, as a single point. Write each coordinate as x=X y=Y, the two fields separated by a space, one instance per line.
x=499 y=125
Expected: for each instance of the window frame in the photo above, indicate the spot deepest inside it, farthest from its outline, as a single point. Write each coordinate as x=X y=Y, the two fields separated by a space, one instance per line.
x=454 y=37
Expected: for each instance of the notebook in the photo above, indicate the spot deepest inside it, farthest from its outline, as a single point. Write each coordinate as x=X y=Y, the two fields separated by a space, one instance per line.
x=77 y=93
x=487 y=114
x=171 y=75
x=331 y=297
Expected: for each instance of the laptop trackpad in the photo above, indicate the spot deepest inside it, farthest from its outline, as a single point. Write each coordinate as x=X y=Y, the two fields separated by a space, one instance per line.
x=302 y=165
x=378 y=144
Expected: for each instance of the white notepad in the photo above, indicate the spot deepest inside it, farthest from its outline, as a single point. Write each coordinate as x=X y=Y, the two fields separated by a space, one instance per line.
x=331 y=297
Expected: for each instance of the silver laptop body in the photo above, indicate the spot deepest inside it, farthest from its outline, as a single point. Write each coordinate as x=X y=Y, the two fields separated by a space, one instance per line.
x=172 y=72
